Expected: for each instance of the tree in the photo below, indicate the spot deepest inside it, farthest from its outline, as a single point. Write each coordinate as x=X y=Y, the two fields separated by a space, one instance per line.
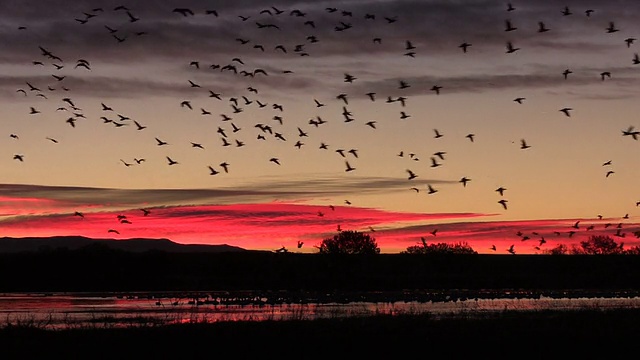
x=599 y=245
x=349 y=242
x=634 y=250
x=440 y=248
x=561 y=249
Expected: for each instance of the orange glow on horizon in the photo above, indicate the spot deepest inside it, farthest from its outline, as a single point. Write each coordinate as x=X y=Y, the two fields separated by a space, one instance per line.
x=272 y=225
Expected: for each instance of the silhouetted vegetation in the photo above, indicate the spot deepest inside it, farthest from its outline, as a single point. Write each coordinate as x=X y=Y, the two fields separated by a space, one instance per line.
x=595 y=245
x=349 y=242
x=587 y=333
x=94 y=269
x=440 y=248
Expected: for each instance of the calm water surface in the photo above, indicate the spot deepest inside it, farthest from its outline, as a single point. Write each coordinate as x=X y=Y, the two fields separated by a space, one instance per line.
x=64 y=310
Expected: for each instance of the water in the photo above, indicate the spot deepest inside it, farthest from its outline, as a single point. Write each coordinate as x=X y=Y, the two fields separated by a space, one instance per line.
x=77 y=310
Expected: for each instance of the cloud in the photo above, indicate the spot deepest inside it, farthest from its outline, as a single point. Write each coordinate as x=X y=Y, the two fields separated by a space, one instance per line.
x=435 y=27
x=69 y=198
x=244 y=225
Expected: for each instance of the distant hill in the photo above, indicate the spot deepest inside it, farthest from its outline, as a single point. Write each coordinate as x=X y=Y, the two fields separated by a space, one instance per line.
x=15 y=245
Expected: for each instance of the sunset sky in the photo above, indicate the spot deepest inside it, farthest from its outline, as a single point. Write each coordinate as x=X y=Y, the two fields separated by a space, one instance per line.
x=73 y=136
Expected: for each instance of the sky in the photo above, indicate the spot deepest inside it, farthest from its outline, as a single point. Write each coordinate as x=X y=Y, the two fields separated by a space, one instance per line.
x=331 y=115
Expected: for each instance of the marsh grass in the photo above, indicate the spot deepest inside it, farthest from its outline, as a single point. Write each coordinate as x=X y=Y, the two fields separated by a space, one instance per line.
x=524 y=334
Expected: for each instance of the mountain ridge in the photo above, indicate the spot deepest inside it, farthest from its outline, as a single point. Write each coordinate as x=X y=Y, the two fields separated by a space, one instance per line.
x=73 y=242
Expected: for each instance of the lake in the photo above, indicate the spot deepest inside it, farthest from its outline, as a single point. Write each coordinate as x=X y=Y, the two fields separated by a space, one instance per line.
x=68 y=310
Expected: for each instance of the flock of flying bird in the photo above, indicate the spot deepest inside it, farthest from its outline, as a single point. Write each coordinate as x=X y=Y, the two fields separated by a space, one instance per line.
x=229 y=127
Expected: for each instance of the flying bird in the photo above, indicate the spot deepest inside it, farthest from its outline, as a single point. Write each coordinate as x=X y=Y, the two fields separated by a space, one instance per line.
x=566 y=111
x=170 y=161
x=631 y=132
x=542 y=27
x=348 y=167
x=510 y=48
x=183 y=11
x=612 y=28
x=509 y=26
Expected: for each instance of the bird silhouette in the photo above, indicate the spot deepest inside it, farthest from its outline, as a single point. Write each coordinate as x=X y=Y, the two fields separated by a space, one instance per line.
x=348 y=167
x=170 y=161
x=431 y=190
x=509 y=26
x=503 y=202
x=523 y=144
x=464 y=180
x=132 y=18
x=629 y=41
x=566 y=111
x=183 y=11
x=212 y=171
x=542 y=27
x=510 y=48
x=631 y=132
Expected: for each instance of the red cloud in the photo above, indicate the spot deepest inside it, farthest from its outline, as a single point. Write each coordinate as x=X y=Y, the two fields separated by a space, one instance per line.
x=272 y=225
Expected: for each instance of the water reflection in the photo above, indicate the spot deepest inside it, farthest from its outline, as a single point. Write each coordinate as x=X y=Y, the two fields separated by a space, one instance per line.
x=117 y=310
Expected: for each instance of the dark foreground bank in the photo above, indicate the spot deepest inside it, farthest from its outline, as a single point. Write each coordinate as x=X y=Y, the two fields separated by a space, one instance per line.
x=99 y=270
x=543 y=334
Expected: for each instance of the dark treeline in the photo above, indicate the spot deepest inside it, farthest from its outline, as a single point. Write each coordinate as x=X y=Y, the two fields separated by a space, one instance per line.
x=101 y=269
